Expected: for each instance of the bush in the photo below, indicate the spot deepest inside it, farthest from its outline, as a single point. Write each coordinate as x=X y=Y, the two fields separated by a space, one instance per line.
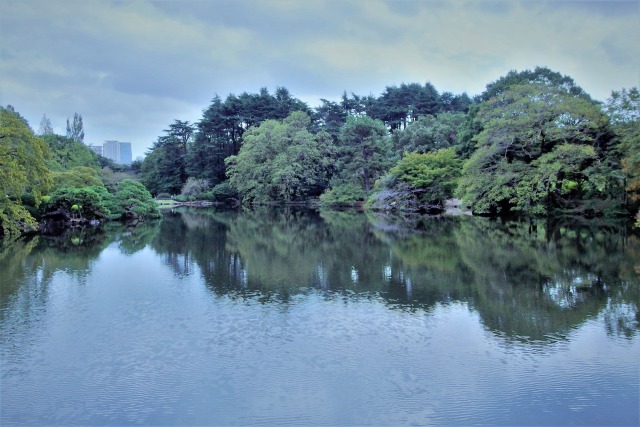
x=135 y=201
x=221 y=193
x=164 y=196
x=342 y=195
x=195 y=187
x=89 y=202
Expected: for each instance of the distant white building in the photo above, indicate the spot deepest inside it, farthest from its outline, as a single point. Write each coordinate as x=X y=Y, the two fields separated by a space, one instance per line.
x=119 y=152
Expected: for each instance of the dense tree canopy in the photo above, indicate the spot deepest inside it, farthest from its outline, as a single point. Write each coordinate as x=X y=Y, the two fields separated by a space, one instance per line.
x=68 y=153
x=623 y=107
x=23 y=168
x=165 y=168
x=539 y=149
x=419 y=182
x=282 y=161
x=430 y=133
x=533 y=142
x=364 y=151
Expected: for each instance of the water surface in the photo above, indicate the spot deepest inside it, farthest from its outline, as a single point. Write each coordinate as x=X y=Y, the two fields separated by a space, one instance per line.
x=280 y=317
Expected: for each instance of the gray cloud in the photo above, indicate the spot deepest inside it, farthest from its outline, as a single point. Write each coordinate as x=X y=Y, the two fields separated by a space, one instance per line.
x=132 y=67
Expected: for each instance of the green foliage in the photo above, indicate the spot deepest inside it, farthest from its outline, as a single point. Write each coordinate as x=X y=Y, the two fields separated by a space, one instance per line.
x=623 y=108
x=281 y=161
x=539 y=76
x=437 y=171
x=88 y=203
x=164 y=167
x=221 y=129
x=534 y=136
x=222 y=193
x=430 y=133
x=75 y=130
x=23 y=168
x=419 y=182
x=78 y=177
x=131 y=201
x=135 y=201
x=68 y=153
x=195 y=187
x=364 y=151
x=343 y=195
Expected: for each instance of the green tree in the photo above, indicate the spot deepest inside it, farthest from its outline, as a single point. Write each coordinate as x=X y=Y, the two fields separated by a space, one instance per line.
x=78 y=177
x=85 y=203
x=68 y=153
x=45 y=126
x=539 y=76
x=623 y=108
x=23 y=158
x=420 y=182
x=430 y=133
x=75 y=130
x=281 y=161
x=364 y=152
x=135 y=202
x=527 y=135
x=164 y=168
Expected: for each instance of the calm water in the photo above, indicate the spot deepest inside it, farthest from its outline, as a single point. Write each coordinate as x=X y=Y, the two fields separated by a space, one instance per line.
x=296 y=318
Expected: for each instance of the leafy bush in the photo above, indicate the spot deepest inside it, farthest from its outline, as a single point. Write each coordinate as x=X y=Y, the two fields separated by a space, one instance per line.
x=344 y=194
x=135 y=201
x=222 y=193
x=89 y=202
x=419 y=182
x=78 y=177
x=195 y=187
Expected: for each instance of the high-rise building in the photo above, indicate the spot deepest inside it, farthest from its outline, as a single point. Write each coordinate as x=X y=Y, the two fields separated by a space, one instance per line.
x=119 y=152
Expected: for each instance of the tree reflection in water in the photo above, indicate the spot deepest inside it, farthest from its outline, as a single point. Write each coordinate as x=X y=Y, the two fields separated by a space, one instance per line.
x=530 y=280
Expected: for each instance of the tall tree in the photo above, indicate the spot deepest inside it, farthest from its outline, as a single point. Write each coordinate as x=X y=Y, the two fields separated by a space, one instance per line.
x=75 y=130
x=220 y=131
x=623 y=108
x=23 y=168
x=540 y=76
x=280 y=160
x=329 y=116
x=68 y=153
x=539 y=149
x=164 y=168
x=364 y=151
x=430 y=133
x=45 y=126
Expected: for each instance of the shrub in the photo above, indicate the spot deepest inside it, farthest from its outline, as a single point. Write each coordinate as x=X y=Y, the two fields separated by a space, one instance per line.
x=345 y=194
x=195 y=187
x=135 y=201
x=222 y=193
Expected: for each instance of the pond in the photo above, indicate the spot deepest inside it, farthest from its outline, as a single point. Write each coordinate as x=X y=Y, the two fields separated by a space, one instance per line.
x=297 y=317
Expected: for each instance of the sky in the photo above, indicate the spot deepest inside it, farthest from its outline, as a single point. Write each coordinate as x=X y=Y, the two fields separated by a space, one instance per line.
x=131 y=68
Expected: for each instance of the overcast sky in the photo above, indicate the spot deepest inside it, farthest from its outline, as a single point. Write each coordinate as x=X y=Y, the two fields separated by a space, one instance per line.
x=130 y=68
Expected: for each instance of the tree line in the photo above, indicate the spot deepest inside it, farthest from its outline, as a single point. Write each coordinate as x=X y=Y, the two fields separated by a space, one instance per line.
x=533 y=142
x=49 y=180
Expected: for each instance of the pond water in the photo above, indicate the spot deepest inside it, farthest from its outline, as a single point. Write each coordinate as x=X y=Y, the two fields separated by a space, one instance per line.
x=285 y=317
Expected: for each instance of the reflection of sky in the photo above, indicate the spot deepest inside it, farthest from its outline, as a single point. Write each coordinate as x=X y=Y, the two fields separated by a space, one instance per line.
x=135 y=343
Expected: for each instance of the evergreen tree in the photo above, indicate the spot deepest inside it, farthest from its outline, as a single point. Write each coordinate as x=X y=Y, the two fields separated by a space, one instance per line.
x=75 y=130
x=45 y=126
